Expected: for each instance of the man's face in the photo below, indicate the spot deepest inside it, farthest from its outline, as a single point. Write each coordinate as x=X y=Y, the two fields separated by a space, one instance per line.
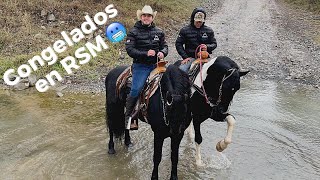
x=146 y=19
x=198 y=24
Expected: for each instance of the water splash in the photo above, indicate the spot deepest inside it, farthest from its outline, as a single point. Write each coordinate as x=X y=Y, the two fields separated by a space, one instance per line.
x=218 y=161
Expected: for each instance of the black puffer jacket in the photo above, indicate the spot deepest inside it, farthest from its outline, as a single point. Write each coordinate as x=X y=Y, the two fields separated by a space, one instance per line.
x=192 y=37
x=142 y=38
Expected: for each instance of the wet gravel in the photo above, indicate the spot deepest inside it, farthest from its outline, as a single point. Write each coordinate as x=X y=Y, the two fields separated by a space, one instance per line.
x=268 y=38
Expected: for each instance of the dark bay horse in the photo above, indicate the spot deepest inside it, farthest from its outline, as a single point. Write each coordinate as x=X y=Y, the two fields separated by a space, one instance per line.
x=168 y=113
x=212 y=96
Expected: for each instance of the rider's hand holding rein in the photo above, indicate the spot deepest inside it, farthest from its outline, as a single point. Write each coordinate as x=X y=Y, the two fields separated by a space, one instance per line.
x=186 y=60
x=203 y=47
x=151 y=52
x=160 y=55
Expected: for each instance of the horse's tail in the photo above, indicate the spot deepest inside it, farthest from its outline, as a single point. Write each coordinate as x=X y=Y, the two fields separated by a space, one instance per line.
x=114 y=106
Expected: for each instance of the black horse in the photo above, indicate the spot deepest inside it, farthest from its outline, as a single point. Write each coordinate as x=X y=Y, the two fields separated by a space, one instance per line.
x=212 y=96
x=168 y=113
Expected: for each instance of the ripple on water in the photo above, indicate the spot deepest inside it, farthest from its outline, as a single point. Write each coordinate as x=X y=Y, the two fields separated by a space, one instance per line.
x=276 y=136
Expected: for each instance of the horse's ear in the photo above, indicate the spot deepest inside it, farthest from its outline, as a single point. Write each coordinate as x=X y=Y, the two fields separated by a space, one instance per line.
x=243 y=72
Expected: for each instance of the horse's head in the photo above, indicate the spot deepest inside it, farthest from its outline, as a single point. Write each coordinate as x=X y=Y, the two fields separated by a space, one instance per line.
x=177 y=99
x=221 y=83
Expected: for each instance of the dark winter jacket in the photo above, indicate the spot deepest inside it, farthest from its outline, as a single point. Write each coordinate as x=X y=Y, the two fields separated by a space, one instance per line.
x=142 y=38
x=192 y=37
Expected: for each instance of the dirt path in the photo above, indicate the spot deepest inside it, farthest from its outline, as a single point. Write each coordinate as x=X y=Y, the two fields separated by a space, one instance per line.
x=267 y=38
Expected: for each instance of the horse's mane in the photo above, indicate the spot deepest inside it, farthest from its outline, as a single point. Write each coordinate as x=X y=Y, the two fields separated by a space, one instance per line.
x=177 y=80
x=223 y=64
x=219 y=69
x=177 y=83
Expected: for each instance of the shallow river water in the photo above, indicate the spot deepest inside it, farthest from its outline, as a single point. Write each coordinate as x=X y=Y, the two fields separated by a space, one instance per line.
x=277 y=136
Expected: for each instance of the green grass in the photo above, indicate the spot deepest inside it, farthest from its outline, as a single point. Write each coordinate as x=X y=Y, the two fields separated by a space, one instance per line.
x=312 y=5
x=24 y=33
x=105 y=58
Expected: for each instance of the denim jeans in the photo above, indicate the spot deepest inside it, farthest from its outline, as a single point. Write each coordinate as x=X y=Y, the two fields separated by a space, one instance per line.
x=140 y=73
x=185 y=67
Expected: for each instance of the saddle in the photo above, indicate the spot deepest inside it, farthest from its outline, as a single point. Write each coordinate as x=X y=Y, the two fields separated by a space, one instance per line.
x=150 y=87
x=195 y=66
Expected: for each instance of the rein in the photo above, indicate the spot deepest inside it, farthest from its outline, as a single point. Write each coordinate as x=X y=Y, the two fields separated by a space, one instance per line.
x=163 y=104
x=202 y=90
x=162 y=99
x=209 y=102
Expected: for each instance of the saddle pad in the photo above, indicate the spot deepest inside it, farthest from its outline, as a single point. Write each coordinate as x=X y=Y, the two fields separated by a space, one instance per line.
x=122 y=80
x=197 y=80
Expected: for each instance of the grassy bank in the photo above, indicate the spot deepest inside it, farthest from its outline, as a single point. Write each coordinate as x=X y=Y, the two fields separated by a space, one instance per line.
x=309 y=6
x=25 y=30
x=312 y=5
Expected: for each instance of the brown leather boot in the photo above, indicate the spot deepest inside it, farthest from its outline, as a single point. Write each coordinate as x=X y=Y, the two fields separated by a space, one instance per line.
x=130 y=103
x=134 y=124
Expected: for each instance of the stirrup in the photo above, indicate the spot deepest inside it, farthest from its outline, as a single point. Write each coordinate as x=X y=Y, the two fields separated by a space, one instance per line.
x=134 y=125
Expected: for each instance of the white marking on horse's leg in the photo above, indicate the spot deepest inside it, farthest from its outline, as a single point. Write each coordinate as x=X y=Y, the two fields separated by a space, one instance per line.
x=222 y=145
x=231 y=122
x=190 y=131
x=129 y=123
x=198 y=156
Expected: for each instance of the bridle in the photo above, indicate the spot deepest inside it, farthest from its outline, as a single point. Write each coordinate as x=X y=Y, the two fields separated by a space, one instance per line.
x=167 y=104
x=203 y=92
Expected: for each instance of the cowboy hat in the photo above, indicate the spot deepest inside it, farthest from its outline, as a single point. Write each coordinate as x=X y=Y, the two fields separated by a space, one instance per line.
x=146 y=10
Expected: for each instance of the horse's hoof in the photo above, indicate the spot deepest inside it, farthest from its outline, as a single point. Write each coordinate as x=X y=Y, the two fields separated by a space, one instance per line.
x=173 y=177
x=154 y=175
x=111 y=151
x=219 y=146
x=154 y=178
x=128 y=144
x=199 y=164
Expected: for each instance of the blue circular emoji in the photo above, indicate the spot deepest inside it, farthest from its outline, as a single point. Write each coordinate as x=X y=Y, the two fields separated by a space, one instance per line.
x=116 y=32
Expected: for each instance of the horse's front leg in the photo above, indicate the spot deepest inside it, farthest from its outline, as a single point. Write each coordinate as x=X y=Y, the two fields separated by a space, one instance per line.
x=190 y=131
x=157 y=154
x=111 y=143
x=127 y=139
x=222 y=145
x=175 y=143
x=198 y=139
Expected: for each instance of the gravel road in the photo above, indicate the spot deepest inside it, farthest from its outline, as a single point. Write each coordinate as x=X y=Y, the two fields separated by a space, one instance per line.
x=268 y=38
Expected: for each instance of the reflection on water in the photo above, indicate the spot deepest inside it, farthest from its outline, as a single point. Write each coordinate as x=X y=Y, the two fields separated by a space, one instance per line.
x=276 y=137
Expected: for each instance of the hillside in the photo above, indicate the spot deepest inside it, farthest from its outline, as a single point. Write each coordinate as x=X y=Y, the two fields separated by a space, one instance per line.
x=29 y=26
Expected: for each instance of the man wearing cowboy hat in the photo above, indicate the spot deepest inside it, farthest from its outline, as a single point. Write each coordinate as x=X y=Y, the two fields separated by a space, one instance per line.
x=145 y=43
x=193 y=35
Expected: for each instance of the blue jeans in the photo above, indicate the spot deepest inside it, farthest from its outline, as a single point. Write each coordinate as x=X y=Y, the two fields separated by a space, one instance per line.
x=185 y=67
x=140 y=73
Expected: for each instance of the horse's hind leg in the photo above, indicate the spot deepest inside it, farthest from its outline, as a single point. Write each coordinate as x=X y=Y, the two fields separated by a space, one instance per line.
x=127 y=139
x=222 y=145
x=157 y=154
x=111 y=143
x=175 y=143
